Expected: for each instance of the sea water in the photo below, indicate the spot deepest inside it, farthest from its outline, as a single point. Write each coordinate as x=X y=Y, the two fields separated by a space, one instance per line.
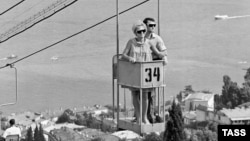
x=78 y=71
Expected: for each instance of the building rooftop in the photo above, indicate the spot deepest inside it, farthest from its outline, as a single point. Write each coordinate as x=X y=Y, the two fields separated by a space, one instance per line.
x=59 y=126
x=237 y=113
x=199 y=96
x=190 y=115
x=247 y=104
x=126 y=134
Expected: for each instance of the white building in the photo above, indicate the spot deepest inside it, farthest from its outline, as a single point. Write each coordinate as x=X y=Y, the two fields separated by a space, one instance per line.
x=224 y=116
x=204 y=115
x=237 y=115
x=189 y=117
x=192 y=101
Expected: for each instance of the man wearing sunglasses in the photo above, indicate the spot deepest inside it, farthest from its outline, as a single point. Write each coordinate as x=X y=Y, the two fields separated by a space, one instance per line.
x=156 y=40
x=161 y=54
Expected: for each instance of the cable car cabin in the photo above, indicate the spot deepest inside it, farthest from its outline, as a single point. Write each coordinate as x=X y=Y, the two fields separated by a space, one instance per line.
x=141 y=75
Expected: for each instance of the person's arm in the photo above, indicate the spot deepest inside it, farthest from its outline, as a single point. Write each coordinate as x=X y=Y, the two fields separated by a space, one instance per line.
x=157 y=52
x=161 y=46
x=126 y=52
x=5 y=134
x=19 y=131
x=165 y=52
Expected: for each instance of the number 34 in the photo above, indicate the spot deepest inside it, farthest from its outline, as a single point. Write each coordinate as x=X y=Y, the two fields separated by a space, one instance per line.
x=156 y=74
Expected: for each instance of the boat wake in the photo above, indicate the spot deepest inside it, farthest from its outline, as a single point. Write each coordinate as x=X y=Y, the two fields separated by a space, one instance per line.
x=12 y=56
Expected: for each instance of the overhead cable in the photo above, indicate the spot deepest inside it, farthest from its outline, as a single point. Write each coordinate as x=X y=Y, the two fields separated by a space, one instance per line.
x=26 y=10
x=38 y=17
x=72 y=35
x=12 y=7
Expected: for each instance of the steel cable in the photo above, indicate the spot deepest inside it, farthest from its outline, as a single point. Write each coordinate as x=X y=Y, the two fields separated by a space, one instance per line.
x=9 y=64
x=12 y=7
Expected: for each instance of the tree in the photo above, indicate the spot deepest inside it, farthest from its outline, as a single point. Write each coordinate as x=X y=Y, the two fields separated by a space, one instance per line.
x=29 y=135
x=169 y=134
x=179 y=97
x=247 y=76
x=66 y=117
x=80 y=119
x=175 y=126
x=200 y=135
x=191 y=107
x=245 y=91
x=193 y=138
x=36 y=134
x=209 y=135
x=152 y=137
x=189 y=89
x=41 y=136
x=183 y=94
x=218 y=105
x=230 y=93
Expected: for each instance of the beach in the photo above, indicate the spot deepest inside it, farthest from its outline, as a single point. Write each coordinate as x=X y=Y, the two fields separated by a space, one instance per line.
x=200 y=49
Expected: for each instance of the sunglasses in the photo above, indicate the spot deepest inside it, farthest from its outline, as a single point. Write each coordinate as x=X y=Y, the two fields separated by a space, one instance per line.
x=140 y=31
x=152 y=25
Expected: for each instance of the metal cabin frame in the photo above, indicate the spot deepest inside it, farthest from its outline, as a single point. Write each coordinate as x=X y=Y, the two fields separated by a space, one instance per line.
x=140 y=75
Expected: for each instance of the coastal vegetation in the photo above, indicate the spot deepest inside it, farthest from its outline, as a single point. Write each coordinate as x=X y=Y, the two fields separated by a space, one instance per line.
x=232 y=94
x=174 y=126
x=86 y=119
x=37 y=136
